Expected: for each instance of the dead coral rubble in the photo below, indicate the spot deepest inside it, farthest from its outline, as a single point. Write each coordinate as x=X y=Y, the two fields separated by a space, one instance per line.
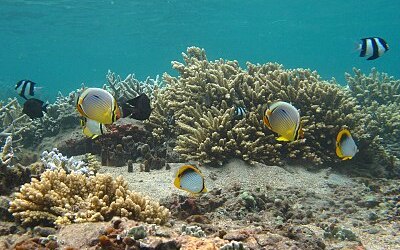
x=61 y=198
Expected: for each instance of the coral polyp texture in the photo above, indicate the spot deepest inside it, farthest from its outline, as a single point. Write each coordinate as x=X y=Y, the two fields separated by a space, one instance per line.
x=202 y=99
x=12 y=121
x=130 y=87
x=379 y=95
x=61 y=198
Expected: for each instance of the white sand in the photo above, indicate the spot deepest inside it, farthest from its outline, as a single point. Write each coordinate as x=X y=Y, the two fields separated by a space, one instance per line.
x=159 y=183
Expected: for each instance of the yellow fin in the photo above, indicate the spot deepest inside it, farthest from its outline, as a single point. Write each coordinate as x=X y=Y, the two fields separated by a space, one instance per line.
x=281 y=138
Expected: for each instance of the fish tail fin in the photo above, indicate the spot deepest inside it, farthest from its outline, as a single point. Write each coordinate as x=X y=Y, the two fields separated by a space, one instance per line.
x=357 y=46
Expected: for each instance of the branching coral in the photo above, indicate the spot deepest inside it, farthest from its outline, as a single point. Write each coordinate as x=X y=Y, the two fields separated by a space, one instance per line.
x=13 y=121
x=202 y=99
x=62 y=198
x=54 y=160
x=7 y=153
x=379 y=96
x=60 y=115
x=130 y=87
x=376 y=87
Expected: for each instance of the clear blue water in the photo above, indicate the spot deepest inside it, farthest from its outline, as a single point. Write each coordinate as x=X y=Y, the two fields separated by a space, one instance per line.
x=61 y=44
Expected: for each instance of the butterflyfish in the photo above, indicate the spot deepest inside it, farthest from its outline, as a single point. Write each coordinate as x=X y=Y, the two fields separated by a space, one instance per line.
x=25 y=87
x=283 y=119
x=346 y=147
x=373 y=47
x=92 y=128
x=34 y=108
x=190 y=179
x=99 y=105
x=137 y=108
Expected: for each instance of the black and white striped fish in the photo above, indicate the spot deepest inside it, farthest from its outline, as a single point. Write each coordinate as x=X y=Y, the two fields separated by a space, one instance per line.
x=240 y=112
x=373 y=47
x=25 y=87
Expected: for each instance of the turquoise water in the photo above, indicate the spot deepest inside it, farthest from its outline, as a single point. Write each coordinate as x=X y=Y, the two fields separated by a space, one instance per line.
x=61 y=44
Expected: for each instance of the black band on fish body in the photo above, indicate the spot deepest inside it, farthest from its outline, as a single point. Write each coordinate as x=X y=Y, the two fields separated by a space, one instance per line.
x=31 y=88
x=363 y=47
x=22 y=93
x=383 y=43
x=375 y=50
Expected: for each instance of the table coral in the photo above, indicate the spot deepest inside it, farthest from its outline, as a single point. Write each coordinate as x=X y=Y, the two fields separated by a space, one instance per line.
x=61 y=198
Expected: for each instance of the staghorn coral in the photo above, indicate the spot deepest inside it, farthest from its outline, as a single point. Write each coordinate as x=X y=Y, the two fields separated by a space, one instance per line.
x=13 y=121
x=130 y=87
x=376 y=87
x=379 y=96
x=201 y=101
x=61 y=198
x=7 y=153
x=11 y=175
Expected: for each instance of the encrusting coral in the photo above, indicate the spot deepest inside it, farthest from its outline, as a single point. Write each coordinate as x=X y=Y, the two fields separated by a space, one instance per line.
x=61 y=198
x=201 y=103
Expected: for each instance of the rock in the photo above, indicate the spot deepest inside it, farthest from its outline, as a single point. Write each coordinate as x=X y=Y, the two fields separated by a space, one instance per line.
x=137 y=233
x=238 y=236
x=369 y=201
x=44 y=231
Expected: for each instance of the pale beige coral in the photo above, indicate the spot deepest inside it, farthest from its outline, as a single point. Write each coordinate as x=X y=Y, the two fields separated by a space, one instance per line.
x=13 y=121
x=130 y=87
x=201 y=102
x=375 y=87
x=379 y=95
x=62 y=198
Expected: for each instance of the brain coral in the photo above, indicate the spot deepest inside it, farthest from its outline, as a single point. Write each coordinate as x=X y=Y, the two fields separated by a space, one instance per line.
x=60 y=198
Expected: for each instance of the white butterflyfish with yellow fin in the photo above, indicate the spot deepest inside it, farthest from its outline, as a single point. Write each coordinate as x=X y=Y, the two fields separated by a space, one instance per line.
x=346 y=147
x=190 y=179
x=284 y=119
x=92 y=128
x=99 y=105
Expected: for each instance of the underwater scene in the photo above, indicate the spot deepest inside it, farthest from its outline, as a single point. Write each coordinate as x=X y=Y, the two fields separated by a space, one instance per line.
x=204 y=124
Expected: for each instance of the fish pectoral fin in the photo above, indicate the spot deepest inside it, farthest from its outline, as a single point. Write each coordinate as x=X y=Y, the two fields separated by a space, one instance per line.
x=281 y=138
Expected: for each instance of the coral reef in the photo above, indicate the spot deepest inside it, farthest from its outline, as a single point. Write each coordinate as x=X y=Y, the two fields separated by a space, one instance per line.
x=60 y=115
x=11 y=175
x=54 y=160
x=379 y=96
x=13 y=121
x=201 y=102
x=127 y=139
x=130 y=87
x=61 y=198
